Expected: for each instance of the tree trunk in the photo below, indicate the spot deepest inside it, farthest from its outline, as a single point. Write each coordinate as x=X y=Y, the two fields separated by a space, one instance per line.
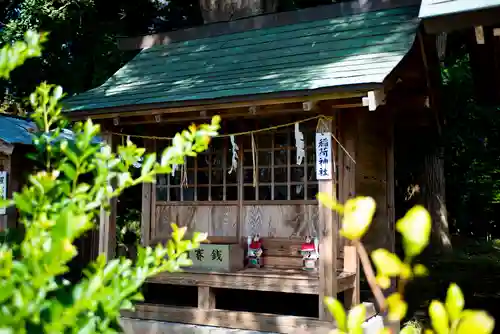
x=434 y=193
x=227 y=10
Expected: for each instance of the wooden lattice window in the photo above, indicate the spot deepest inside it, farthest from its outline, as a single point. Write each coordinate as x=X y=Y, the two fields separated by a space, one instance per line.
x=206 y=177
x=277 y=175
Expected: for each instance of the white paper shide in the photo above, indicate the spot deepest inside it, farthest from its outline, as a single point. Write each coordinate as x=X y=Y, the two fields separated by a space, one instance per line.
x=324 y=156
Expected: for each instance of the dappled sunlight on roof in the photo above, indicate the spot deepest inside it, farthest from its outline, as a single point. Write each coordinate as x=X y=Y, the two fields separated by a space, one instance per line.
x=353 y=50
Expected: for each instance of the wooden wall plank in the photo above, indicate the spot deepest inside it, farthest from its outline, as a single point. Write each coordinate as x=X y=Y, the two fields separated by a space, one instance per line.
x=372 y=172
x=223 y=220
x=276 y=221
x=348 y=138
x=216 y=220
x=281 y=221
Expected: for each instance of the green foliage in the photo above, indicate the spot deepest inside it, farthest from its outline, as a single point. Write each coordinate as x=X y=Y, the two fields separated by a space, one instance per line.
x=62 y=202
x=13 y=56
x=446 y=318
x=82 y=51
x=472 y=157
x=128 y=227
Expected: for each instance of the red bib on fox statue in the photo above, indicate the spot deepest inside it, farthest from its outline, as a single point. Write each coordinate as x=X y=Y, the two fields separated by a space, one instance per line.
x=254 y=252
x=310 y=254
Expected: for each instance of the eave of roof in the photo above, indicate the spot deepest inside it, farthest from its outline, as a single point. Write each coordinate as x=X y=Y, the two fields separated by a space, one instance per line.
x=436 y=8
x=16 y=130
x=20 y=131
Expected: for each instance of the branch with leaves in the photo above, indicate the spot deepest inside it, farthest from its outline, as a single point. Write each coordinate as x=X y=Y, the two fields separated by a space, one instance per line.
x=415 y=229
x=61 y=202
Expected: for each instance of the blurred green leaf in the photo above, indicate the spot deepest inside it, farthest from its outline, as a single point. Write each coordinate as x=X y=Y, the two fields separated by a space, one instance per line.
x=355 y=318
x=415 y=227
x=397 y=307
x=439 y=317
x=338 y=312
x=477 y=322
x=454 y=302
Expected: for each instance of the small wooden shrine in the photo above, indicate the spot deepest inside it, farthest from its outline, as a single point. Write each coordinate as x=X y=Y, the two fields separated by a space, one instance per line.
x=309 y=101
x=15 y=142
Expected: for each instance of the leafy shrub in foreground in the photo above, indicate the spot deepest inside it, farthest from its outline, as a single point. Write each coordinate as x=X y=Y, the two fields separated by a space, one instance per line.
x=61 y=202
x=449 y=317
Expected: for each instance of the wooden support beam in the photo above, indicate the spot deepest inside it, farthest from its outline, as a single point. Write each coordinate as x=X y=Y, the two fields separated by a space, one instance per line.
x=240 y=218
x=479 y=32
x=182 y=107
x=309 y=105
x=270 y=279
x=275 y=110
x=146 y=214
x=206 y=298
x=146 y=202
x=391 y=210
x=107 y=220
x=374 y=99
x=152 y=220
x=252 y=110
x=441 y=42
x=328 y=225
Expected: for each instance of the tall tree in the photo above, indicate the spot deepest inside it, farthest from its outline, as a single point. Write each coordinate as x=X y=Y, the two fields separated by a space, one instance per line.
x=82 y=51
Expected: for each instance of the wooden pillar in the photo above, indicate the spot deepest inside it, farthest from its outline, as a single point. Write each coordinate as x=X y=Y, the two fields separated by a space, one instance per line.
x=328 y=226
x=206 y=298
x=146 y=214
x=107 y=220
x=17 y=167
x=391 y=209
x=5 y=166
x=347 y=186
x=147 y=200
x=240 y=222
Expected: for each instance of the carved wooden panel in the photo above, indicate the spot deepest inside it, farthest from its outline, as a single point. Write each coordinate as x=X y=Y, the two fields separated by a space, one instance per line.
x=280 y=220
x=215 y=220
x=223 y=220
x=276 y=221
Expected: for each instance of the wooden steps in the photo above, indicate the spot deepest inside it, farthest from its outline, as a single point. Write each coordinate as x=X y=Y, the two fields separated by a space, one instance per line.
x=231 y=319
x=264 y=279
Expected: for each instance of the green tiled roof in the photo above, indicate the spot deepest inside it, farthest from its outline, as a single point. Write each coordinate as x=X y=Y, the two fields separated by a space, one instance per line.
x=434 y=8
x=359 y=49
